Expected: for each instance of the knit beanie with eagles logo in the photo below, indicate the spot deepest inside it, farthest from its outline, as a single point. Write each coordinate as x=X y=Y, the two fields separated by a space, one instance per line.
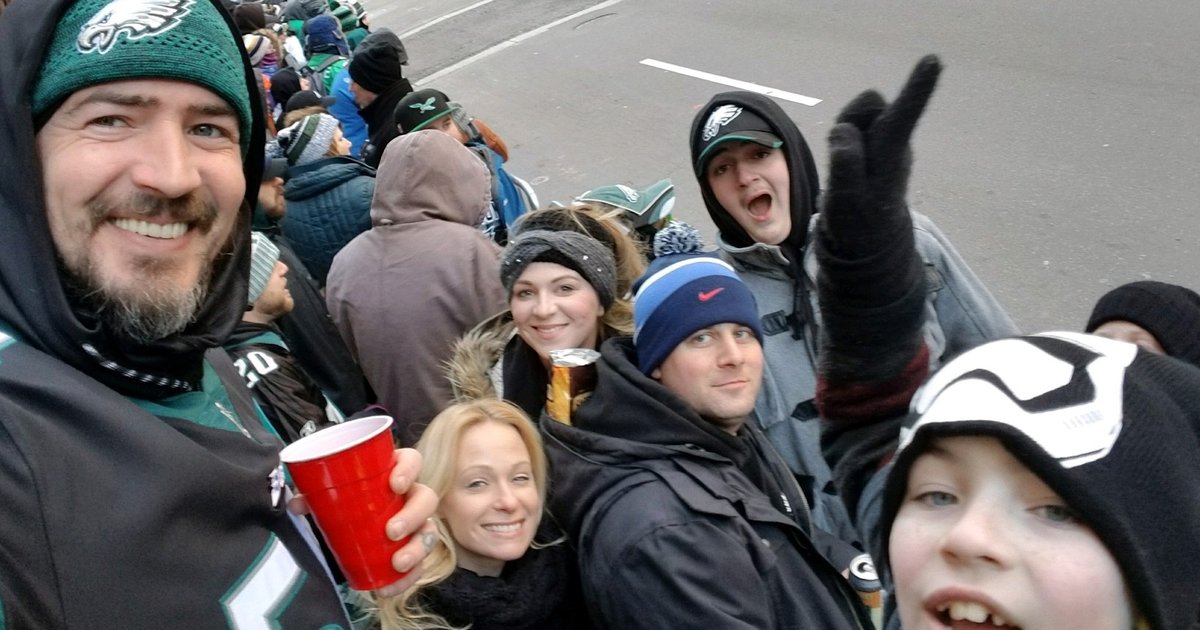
x=99 y=41
x=1112 y=429
x=684 y=291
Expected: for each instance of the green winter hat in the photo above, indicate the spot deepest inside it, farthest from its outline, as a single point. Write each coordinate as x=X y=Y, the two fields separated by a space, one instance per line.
x=644 y=207
x=99 y=41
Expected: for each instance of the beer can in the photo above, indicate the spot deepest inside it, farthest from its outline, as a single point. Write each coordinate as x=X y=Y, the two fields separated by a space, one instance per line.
x=572 y=378
x=865 y=580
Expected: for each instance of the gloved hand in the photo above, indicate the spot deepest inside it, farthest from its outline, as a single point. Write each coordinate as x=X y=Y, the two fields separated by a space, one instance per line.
x=871 y=284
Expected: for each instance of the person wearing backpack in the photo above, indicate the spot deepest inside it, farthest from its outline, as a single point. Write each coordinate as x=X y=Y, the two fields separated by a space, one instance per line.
x=432 y=109
x=327 y=52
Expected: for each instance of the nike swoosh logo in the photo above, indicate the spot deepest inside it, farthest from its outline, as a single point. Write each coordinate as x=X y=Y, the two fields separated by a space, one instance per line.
x=708 y=295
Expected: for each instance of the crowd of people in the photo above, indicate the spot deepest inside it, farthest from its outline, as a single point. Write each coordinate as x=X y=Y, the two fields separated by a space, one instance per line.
x=826 y=421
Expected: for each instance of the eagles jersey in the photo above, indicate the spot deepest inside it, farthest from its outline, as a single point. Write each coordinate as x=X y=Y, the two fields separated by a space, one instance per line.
x=125 y=513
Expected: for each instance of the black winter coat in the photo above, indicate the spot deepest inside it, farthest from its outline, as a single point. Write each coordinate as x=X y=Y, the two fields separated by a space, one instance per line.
x=671 y=521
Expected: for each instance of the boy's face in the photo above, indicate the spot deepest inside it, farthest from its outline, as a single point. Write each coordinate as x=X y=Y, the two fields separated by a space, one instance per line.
x=751 y=182
x=1122 y=330
x=446 y=125
x=978 y=536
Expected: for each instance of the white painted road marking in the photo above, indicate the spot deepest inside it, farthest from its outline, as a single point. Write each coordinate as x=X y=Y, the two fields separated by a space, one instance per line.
x=734 y=83
x=439 y=20
x=510 y=43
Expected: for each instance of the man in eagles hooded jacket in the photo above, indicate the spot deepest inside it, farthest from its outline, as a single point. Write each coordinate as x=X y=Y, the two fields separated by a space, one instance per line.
x=760 y=185
x=140 y=486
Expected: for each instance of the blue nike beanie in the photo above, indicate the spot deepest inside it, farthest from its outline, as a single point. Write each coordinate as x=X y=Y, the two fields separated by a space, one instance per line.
x=682 y=293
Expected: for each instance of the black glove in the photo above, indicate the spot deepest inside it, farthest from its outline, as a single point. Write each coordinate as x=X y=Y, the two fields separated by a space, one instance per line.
x=871 y=285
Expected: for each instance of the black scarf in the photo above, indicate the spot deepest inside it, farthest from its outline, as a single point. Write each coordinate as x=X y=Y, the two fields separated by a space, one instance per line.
x=532 y=592
x=381 y=125
x=524 y=377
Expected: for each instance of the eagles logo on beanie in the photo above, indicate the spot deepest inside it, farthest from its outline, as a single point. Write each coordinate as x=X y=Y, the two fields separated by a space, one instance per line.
x=643 y=207
x=684 y=291
x=1112 y=429
x=99 y=41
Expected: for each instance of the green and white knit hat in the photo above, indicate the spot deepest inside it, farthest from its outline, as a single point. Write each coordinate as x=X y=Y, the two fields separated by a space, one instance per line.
x=98 y=41
x=306 y=141
x=263 y=256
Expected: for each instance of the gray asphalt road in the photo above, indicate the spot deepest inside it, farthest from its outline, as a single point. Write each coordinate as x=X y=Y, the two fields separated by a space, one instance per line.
x=1060 y=152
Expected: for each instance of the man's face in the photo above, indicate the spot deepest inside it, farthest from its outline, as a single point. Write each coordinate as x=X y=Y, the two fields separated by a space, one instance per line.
x=362 y=96
x=1122 y=330
x=446 y=125
x=270 y=197
x=751 y=182
x=276 y=300
x=143 y=183
x=717 y=370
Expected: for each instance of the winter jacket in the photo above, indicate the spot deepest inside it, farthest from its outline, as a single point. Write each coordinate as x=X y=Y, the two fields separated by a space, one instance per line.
x=313 y=339
x=354 y=128
x=287 y=396
x=140 y=487
x=328 y=204
x=405 y=290
x=508 y=204
x=492 y=360
x=960 y=312
x=476 y=360
x=680 y=525
x=322 y=68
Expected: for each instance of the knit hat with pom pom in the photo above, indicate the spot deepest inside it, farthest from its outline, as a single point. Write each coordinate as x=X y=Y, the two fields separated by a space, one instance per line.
x=683 y=291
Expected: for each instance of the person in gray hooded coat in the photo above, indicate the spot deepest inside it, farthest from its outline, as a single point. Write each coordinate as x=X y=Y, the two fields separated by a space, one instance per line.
x=405 y=290
x=760 y=186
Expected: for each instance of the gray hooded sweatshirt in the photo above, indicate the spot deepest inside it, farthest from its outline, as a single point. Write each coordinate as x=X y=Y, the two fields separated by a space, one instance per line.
x=423 y=275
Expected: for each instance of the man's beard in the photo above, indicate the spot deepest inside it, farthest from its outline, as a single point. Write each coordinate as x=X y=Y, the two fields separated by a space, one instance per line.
x=149 y=310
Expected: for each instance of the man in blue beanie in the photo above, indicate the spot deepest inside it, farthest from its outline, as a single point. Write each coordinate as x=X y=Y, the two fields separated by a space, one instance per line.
x=683 y=514
x=140 y=485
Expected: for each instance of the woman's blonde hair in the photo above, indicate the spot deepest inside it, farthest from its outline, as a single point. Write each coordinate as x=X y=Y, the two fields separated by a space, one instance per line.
x=439 y=448
x=295 y=115
x=276 y=45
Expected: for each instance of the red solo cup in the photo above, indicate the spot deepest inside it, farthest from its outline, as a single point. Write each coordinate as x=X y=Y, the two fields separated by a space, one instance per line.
x=343 y=473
